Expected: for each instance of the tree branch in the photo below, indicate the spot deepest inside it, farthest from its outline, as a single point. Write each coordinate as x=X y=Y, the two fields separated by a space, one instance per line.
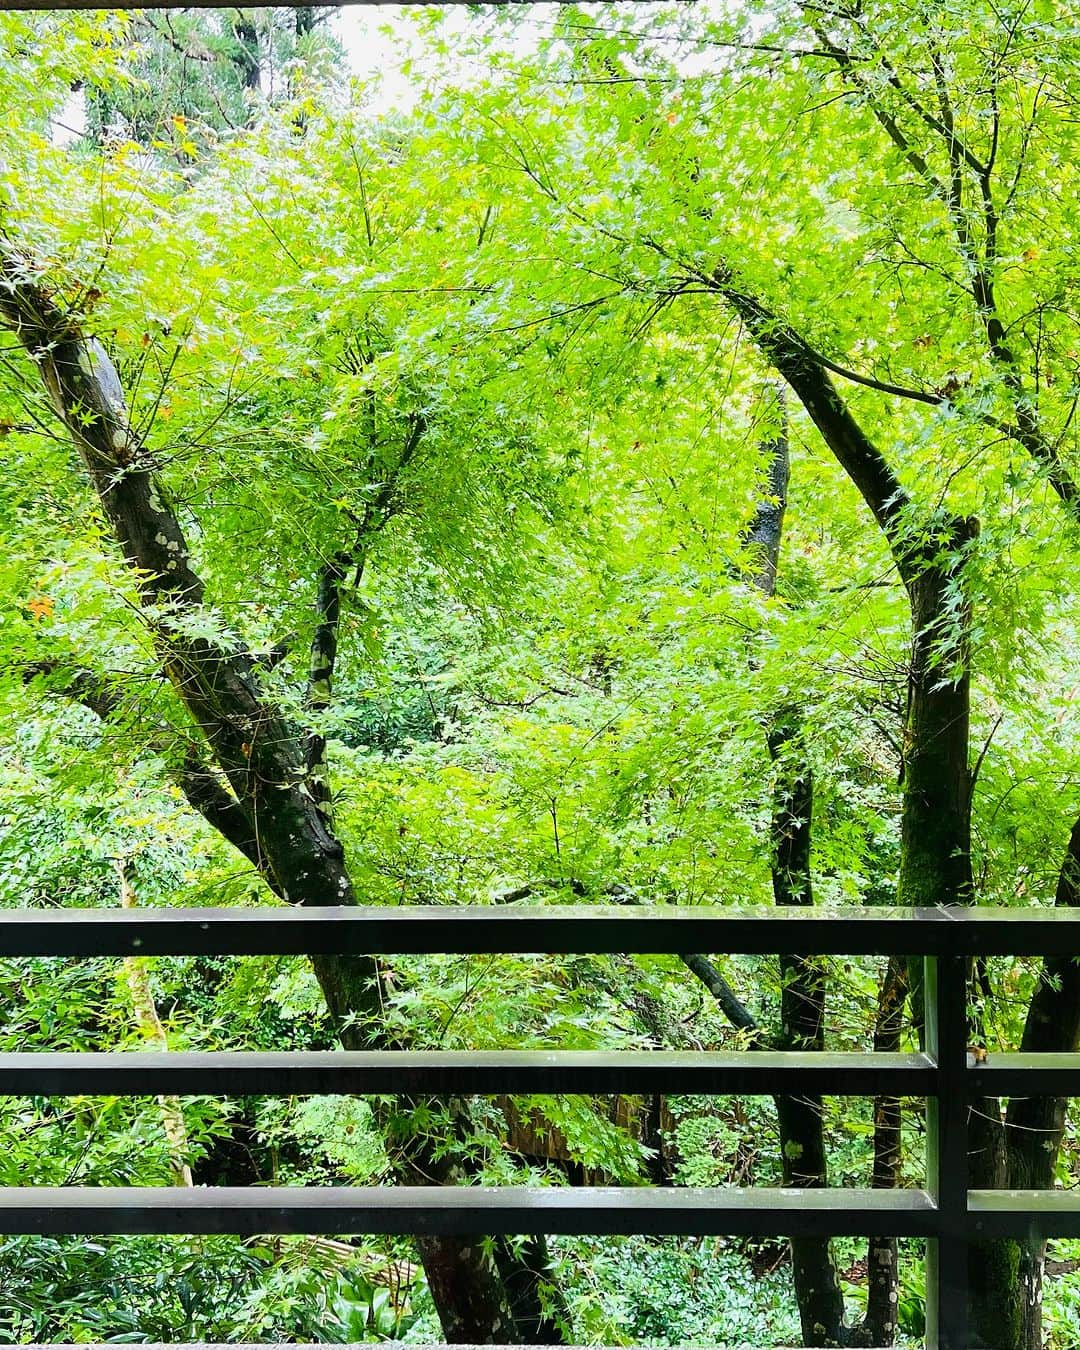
x=856 y=453
x=982 y=260
x=727 y=1000
x=846 y=62
x=80 y=686
x=332 y=578
x=218 y=807
x=87 y=396
x=767 y=527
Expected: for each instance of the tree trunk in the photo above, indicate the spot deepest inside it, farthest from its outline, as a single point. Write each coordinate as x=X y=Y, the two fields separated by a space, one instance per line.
x=245 y=55
x=477 y=1287
x=935 y=865
x=802 y=984
x=1009 y=1274
x=929 y=555
x=879 y=1326
x=802 y=1017
x=935 y=828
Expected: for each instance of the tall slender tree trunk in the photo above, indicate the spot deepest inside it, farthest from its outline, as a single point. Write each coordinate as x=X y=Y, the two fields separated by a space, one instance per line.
x=800 y=1124
x=800 y=1120
x=804 y=1161
x=935 y=828
x=246 y=56
x=879 y=1326
x=1008 y=1274
x=935 y=860
x=1035 y=1125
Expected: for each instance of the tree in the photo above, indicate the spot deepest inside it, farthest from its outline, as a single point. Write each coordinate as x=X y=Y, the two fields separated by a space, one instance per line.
x=958 y=106
x=191 y=77
x=254 y=773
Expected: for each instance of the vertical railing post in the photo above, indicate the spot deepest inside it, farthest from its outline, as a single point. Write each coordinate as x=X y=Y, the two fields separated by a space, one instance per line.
x=947 y=1154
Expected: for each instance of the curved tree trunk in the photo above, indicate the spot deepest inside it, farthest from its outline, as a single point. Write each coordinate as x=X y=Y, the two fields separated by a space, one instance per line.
x=930 y=552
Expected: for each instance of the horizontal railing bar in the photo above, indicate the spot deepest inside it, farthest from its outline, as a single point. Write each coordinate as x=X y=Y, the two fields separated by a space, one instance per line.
x=464 y=1210
x=240 y=1073
x=1012 y=1075
x=572 y=928
x=1019 y=1214
x=467 y=1211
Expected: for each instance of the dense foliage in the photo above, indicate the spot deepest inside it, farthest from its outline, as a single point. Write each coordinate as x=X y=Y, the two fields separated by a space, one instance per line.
x=638 y=466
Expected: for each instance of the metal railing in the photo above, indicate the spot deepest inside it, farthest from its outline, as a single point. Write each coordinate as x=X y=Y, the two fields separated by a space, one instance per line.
x=945 y=1212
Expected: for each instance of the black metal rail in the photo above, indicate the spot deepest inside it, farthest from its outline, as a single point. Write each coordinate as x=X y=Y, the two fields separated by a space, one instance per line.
x=841 y=930
x=243 y=1073
x=945 y=1213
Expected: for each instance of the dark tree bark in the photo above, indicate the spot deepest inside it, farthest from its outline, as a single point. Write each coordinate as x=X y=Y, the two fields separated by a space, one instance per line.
x=803 y=995
x=800 y=1120
x=930 y=553
x=879 y=1327
x=936 y=816
x=802 y=1017
x=264 y=803
x=1011 y=1273
x=920 y=119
